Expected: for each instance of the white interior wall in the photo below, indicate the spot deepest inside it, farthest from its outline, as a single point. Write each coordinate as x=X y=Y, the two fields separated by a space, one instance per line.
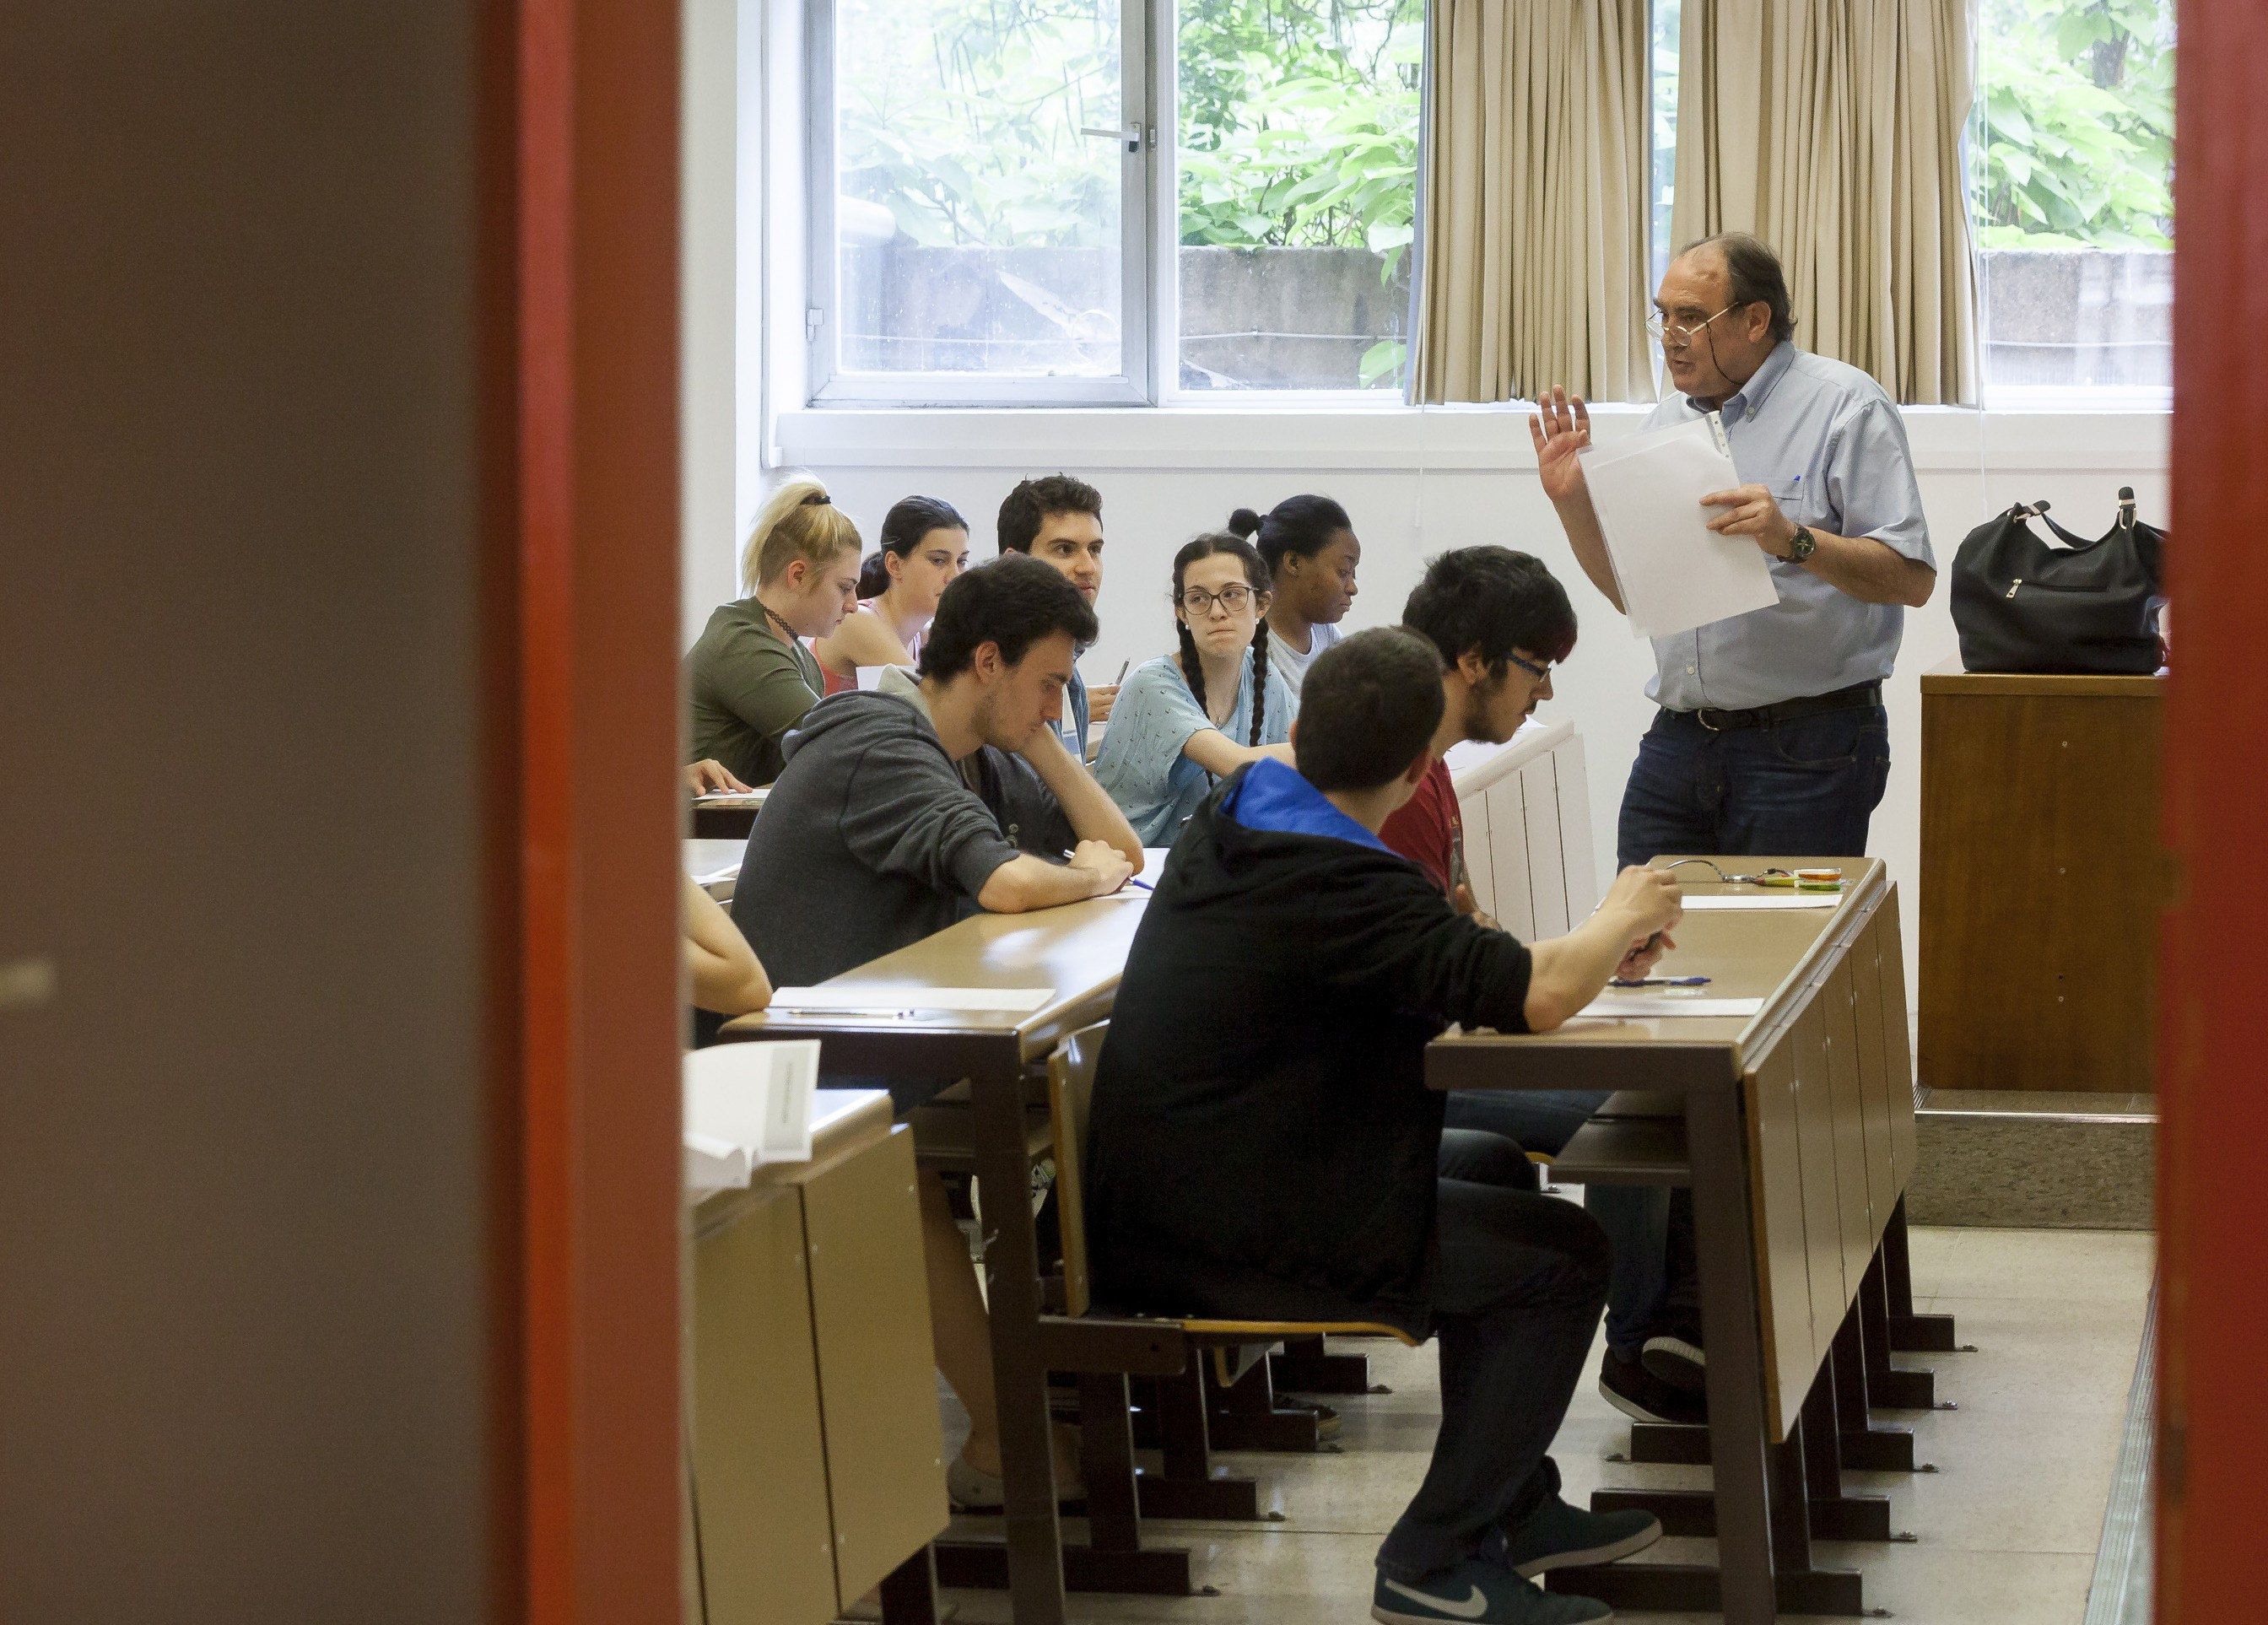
x=1417 y=484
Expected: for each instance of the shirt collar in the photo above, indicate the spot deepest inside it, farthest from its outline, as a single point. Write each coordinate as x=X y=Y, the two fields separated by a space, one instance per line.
x=1749 y=398
x=1274 y=798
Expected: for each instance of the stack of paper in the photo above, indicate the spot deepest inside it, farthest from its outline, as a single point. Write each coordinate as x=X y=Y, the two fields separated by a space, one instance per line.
x=1675 y=573
x=907 y=1000
x=746 y=1105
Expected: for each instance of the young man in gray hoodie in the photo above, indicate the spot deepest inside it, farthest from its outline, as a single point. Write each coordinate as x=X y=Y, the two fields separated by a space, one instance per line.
x=899 y=812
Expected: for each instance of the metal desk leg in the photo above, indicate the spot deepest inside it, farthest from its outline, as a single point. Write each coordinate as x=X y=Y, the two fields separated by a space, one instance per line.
x=1011 y=1273
x=1911 y=1333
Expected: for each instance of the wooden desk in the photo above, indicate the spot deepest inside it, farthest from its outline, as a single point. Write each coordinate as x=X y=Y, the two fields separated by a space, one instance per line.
x=727 y=818
x=2042 y=880
x=1798 y=1142
x=816 y=1456
x=1078 y=951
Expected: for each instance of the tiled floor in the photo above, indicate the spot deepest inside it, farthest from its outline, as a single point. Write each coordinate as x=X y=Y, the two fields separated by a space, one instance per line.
x=2008 y=1526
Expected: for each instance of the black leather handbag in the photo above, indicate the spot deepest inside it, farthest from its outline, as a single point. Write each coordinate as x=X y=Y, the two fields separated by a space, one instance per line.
x=2021 y=605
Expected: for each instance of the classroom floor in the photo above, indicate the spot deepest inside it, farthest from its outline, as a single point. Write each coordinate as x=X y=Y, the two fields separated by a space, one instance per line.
x=2008 y=1526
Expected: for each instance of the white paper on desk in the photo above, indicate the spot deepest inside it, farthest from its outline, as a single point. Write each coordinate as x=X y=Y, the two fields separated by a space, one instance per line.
x=870 y=677
x=1016 y=1001
x=732 y=797
x=1763 y=900
x=714 y=1165
x=756 y=1096
x=1675 y=573
x=1639 y=1003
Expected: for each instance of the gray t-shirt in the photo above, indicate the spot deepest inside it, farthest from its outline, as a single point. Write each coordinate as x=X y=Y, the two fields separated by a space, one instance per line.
x=1290 y=664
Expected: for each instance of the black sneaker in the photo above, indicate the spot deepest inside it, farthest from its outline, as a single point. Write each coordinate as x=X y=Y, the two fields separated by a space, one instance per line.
x=1676 y=1357
x=1642 y=1396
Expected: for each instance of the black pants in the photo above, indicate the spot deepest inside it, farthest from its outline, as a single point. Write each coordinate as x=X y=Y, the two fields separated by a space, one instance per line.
x=1521 y=1280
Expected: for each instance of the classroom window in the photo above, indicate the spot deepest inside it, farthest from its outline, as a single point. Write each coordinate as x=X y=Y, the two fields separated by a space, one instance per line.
x=2072 y=168
x=978 y=186
x=1296 y=160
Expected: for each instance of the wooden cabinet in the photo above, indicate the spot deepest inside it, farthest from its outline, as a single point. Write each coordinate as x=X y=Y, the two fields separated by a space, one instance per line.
x=817 y=1457
x=2042 y=881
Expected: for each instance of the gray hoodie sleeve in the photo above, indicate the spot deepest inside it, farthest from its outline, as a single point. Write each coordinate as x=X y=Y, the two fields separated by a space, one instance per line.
x=906 y=812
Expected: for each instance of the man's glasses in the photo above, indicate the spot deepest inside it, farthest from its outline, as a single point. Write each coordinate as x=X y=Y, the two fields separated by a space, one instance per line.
x=1235 y=600
x=1665 y=330
x=1541 y=673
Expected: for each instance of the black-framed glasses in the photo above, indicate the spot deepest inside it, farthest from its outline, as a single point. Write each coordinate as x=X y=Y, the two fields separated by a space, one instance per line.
x=1234 y=598
x=1541 y=673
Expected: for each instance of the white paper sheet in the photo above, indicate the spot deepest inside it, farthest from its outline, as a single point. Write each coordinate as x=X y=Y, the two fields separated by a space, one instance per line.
x=732 y=797
x=1016 y=1001
x=1765 y=899
x=1673 y=572
x=756 y=1096
x=1628 y=1004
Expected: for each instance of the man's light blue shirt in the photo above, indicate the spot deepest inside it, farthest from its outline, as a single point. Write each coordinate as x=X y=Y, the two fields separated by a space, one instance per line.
x=1830 y=446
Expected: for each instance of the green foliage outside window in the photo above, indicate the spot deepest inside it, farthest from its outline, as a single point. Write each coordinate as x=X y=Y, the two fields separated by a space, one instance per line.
x=2077 y=124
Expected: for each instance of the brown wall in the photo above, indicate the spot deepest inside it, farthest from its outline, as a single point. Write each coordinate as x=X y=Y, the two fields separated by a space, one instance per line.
x=243 y=1321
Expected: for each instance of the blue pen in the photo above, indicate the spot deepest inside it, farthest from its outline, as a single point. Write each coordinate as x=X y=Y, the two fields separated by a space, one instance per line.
x=1145 y=884
x=1660 y=981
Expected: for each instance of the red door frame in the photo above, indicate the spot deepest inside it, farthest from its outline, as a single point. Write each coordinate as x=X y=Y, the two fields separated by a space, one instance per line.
x=2213 y=1205
x=580 y=322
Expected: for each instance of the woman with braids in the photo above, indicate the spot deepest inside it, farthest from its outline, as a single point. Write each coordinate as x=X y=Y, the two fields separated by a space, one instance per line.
x=1311 y=552
x=1186 y=720
x=925 y=546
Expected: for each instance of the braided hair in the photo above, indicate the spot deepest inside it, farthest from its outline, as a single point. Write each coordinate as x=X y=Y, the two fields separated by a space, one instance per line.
x=1257 y=576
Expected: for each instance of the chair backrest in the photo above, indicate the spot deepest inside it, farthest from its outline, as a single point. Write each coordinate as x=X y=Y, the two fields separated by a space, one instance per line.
x=1071 y=1096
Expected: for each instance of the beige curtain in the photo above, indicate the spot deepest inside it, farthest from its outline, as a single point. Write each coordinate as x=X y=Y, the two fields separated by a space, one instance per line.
x=1831 y=128
x=1532 y=269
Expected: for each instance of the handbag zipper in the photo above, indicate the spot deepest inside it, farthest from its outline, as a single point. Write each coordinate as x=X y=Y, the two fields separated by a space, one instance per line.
x=2012 y=585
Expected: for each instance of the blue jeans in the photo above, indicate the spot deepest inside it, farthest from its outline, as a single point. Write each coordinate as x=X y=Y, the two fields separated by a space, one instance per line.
x=1801 y=789
x=1516 y=1298
x=1651 y=1291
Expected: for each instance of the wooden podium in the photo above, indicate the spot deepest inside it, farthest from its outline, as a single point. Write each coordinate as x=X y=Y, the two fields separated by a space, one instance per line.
x=2042 y=881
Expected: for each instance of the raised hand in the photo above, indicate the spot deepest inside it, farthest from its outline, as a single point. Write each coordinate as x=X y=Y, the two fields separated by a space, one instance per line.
x=1561 y=427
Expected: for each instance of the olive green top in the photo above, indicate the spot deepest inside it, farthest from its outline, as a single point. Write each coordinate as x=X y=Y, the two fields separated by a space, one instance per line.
x=749 y=683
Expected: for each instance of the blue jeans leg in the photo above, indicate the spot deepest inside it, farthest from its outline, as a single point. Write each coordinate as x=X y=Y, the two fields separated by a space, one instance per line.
x=1806 y=788
x=1541 y=1121
x=1675 y=793
x=1636 y=1218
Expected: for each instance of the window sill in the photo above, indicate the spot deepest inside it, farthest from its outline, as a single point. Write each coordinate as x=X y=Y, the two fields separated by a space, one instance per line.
x=1340 y=435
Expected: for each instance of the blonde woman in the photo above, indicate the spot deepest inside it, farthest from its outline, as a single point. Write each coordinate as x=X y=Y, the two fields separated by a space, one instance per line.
x=749 y=676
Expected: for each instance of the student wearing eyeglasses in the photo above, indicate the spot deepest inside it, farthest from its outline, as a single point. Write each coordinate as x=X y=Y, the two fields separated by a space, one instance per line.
x=1186 y=720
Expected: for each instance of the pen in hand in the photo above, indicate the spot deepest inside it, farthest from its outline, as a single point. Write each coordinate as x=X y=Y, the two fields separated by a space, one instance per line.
x=1660 y=982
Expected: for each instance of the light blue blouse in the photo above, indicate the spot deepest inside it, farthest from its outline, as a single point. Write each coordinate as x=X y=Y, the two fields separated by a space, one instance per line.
x=1141 y=764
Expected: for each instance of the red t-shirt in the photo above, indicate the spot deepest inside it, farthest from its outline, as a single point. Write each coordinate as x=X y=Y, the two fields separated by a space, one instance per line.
x=1427 y=828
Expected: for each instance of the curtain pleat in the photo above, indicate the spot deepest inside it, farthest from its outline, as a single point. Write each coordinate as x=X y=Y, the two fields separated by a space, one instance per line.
x=1833 y=132
x=1534 y=270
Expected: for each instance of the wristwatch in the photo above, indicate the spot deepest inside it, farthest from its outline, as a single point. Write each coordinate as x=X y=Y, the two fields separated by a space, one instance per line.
x=1801 y=545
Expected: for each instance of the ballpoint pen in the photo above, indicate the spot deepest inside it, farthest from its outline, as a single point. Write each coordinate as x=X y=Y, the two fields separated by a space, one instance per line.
x=1660 y=982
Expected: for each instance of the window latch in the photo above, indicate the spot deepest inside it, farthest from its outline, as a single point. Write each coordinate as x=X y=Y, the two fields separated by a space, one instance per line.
x=1130 y=134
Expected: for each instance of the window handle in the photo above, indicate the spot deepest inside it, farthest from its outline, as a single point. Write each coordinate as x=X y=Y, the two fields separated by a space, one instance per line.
x=1130 y=134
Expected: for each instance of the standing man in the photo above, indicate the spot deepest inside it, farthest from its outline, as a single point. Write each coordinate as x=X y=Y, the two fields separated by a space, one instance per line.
x=1772 y=736
x=1057 y=520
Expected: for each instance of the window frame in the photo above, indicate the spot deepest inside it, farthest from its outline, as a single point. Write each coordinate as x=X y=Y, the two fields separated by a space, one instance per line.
x=1135 y=384
x=1149 y=270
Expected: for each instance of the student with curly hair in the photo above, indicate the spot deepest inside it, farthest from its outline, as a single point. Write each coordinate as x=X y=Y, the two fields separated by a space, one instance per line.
x=1184 y=721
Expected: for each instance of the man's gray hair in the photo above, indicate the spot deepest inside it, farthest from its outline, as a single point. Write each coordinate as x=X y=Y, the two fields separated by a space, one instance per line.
x=1755 y=273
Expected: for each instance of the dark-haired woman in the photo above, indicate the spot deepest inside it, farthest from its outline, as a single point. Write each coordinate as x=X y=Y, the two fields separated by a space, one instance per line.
x=925 y=546
x=1311 y=553
x=1186 y=720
